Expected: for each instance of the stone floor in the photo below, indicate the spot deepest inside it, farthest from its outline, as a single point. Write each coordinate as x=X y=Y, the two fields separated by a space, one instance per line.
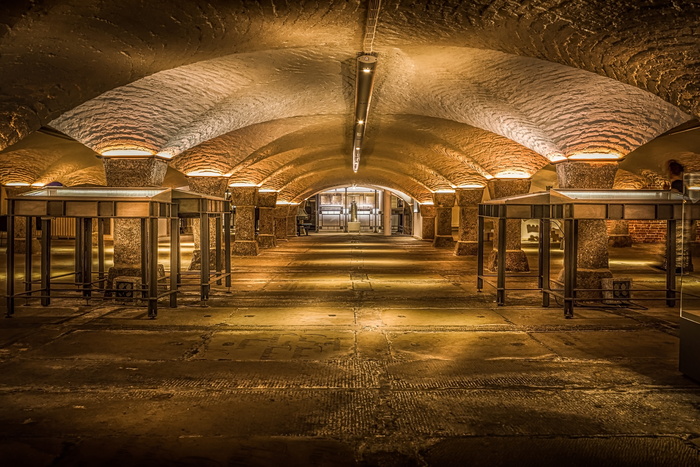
x=349 y=350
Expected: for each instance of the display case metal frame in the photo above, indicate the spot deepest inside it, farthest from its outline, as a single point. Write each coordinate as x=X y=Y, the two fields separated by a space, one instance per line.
x=101 y=204
x=571 y=206
x=206 y=208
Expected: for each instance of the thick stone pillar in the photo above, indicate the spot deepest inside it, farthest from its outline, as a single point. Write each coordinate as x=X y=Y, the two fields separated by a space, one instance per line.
x=244 y=198
x=292 y=220
x=443 y=202
x=428 y=213
x=267 y=201
x=592 y=258
x=468 y=200
x=280 y=214
x=386 y=213
x=211 y=186
x=131 y=172
x=516 y=260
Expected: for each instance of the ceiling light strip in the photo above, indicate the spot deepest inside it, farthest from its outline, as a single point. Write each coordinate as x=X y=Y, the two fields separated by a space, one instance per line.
x=364 y=83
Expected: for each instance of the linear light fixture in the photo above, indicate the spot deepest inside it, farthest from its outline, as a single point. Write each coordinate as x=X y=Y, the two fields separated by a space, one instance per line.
x=364 y=82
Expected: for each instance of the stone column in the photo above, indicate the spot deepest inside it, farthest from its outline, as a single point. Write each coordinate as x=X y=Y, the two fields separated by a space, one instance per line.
x=292 y=220
x=428 y=213
x=592 y=258
x=131 y=172
x=516 y=261
x=386 y=212
x=468 y=200
x=443 y=202
x=267 y=200
x=619 y=233
x=20 y=239
x=244 y=198
x=211 y=186
x=280 y=214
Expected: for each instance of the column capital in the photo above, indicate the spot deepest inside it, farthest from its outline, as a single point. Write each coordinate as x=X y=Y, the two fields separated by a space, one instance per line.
x=16 y=190
x=244 y=195
x=267 y=199
x=208 y=185
x=469 y=196
x=444 y=199
x=586 y=174
x=503 y=187
x=428 y=210
x=134 y=171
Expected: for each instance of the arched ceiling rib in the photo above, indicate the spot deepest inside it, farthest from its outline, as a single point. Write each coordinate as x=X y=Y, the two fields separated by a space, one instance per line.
x=285 y=173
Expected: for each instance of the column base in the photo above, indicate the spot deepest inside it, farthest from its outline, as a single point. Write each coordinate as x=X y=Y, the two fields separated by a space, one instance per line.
x=466 y=248
x=516 y=261
x=589 y=279
x=620 y=241
x=245 y=248
x=196 y=263
x=683 y=264
x=115 y=272
x=266 y=241
x=444 y=241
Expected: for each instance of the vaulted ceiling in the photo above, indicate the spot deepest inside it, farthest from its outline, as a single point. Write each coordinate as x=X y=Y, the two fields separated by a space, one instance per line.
x=464 y=91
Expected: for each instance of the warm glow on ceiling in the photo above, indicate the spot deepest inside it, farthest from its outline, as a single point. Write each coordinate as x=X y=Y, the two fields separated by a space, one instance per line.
x=17 y=184
x=556 y=157
x=471 y=186
x=242 y=184
x=512 y=174
x=595 y=156
x=444 y=191
x=127 y=153
x=205 y=173
x=38 y=184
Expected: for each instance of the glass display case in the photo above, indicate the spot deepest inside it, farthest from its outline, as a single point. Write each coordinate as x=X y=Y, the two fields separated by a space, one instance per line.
x=689 y=358
x=93 y=207
x=571 y=207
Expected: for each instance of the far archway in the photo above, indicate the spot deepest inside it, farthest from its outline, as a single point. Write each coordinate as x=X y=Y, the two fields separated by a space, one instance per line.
x=352 y=208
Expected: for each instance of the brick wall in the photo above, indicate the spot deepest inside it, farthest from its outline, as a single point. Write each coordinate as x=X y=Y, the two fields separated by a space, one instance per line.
x=648 y=231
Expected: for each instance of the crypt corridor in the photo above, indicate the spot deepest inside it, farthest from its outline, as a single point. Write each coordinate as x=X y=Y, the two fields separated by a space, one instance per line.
x=139 y=138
